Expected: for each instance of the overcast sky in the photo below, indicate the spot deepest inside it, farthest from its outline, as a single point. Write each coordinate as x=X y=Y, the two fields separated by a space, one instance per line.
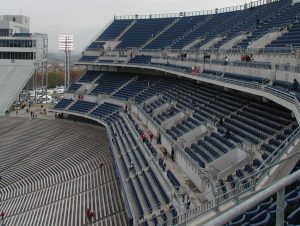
x=85 y=18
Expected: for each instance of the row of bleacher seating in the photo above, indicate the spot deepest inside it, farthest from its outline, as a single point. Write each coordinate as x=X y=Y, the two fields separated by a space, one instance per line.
x=146 y=189
x=89 y=76
x=104 y=110
x=96 y=45
x=88 y=59
x=108 y=83
x=62 y=104
x=140 y=59
x=82 y=106
x=74 y=87
x=42 y=167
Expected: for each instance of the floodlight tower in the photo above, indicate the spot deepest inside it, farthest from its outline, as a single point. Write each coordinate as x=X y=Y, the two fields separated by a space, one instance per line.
x=66 y=43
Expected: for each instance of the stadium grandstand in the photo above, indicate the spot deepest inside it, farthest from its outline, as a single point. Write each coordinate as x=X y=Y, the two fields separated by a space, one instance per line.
x=21 y=54
x=193 y=119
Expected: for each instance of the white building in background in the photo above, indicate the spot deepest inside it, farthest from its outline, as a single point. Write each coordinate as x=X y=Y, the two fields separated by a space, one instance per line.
x=21 y=54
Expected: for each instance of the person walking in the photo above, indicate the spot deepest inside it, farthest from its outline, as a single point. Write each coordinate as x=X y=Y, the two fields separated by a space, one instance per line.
x=172 y=154
x=151 y=136
x=2 y=215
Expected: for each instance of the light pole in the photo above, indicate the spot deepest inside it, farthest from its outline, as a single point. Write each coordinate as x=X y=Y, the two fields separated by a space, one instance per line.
x=66 y=43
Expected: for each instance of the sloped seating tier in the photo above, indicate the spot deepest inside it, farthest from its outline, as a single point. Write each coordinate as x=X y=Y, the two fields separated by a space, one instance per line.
x=140 y=59
x=291 y=38
x=142 y=83
x=114 y=30
x=96 y=46
x=178 y=32
x=88 y=59
x=277 y=15
x=89 y=76
x=104 y=110
x=82 y=106
x=143 y=30
x=173 y=179
x=145 y=186
x=74 y=87
x=109 y=82
x=62 y=104
x=182 y=26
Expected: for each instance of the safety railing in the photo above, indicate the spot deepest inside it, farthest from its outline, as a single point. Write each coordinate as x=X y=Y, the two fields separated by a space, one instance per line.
x=251 y=85
x=244 y=188
x=278 y=93
x=280 y=150
x=197 y=13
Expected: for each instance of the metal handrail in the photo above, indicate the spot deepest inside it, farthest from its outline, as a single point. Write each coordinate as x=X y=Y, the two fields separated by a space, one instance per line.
x=197 y=13
x=243 y=187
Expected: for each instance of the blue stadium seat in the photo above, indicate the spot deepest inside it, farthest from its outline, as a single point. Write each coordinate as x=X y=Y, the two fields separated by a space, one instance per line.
x=260 y=219
x=294 y=217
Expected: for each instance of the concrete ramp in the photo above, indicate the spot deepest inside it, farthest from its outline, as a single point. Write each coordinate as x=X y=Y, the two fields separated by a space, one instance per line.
x=12 y=80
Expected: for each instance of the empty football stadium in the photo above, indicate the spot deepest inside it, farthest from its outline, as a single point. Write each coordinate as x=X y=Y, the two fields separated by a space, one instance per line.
x=187 y=118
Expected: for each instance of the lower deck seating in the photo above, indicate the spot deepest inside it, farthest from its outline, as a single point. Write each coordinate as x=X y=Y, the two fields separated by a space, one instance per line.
x=52 y=168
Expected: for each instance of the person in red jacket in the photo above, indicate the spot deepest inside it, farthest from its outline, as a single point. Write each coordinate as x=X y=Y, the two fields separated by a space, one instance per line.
x=143 y=136
x=151 y=136
x=2 y=215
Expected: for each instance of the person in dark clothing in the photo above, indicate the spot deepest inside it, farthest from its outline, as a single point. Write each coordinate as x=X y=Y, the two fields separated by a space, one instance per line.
x=295 y=85
x=221 y=121
x=2 y=215
x=158 y=138
x=87 y=212
x=172 y=154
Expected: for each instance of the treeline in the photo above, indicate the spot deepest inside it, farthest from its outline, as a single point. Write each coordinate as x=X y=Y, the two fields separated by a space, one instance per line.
x=55 y=78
